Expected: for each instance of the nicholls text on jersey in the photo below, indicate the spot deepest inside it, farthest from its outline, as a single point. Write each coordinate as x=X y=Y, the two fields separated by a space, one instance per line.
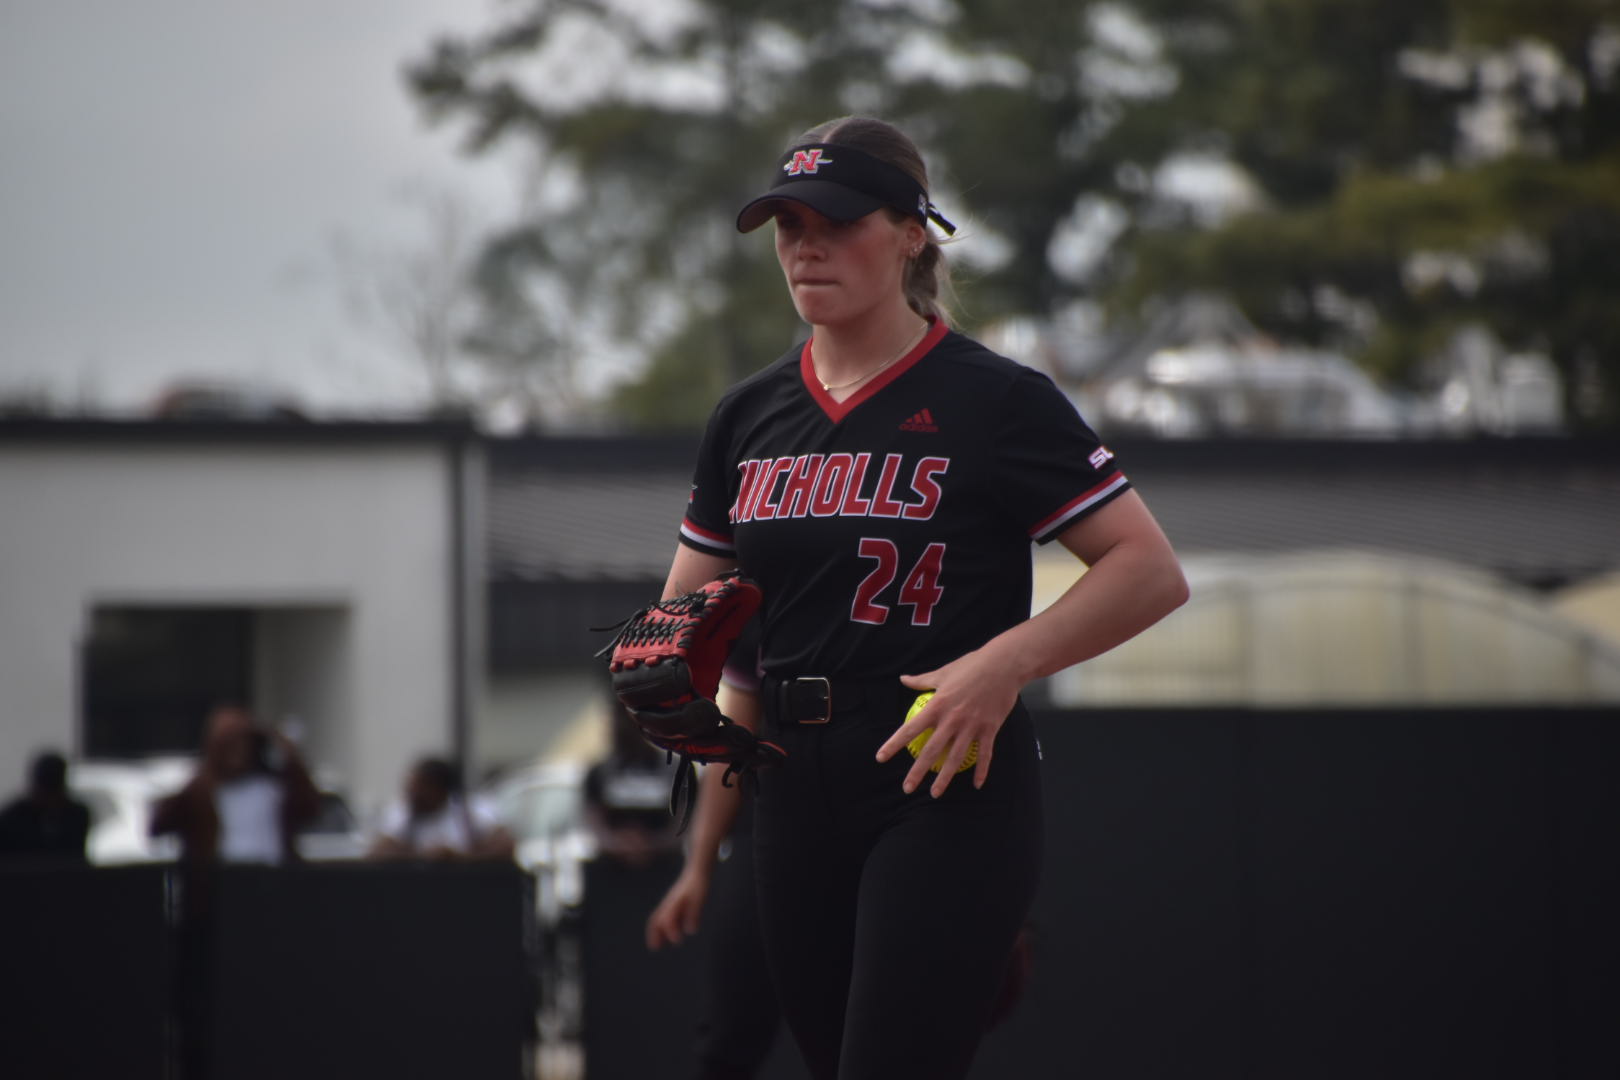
x=838 y=485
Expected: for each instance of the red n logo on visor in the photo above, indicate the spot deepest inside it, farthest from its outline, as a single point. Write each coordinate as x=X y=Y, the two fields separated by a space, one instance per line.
x=806 y=161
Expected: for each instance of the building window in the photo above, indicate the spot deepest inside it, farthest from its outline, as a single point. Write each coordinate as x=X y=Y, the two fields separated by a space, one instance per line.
x=150 y=675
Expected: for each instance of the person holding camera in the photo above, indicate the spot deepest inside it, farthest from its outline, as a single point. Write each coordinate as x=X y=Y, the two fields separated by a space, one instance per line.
x=249 y=798
x=247 y=802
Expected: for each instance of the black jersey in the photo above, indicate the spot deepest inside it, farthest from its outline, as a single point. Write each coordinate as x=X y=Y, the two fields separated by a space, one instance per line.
x=891 y=532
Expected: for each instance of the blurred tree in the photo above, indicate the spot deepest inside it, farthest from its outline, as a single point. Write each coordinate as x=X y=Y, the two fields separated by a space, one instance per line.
x=1425 y=164
x=26 y=401
x=1411 y=165
x=416 y=296
x=653 y=124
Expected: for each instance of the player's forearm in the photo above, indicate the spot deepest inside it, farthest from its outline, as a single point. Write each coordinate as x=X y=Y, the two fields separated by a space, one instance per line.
x=1133 y=586
x=712 y=820
x=718 y=803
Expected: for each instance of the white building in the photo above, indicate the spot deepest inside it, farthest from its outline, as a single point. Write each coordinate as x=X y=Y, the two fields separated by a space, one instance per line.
x=348 y=582
x=329 y=575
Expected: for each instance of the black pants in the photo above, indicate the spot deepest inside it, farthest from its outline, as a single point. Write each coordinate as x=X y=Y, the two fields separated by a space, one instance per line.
x=889 y=919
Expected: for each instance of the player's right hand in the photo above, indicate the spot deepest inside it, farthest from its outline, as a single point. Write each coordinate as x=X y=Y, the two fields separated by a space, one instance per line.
x=676 y=916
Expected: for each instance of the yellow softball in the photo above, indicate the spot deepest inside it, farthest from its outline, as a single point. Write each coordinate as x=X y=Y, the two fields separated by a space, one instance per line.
x=916 y=745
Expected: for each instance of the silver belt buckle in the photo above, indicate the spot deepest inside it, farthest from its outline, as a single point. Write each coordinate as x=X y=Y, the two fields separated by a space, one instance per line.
x=826 y=698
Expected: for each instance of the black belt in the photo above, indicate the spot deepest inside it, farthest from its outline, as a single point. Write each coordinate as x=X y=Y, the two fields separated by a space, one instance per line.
x=818 y=699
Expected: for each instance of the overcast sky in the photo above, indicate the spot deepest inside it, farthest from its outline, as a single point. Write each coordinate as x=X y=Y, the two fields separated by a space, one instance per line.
x=173 y=177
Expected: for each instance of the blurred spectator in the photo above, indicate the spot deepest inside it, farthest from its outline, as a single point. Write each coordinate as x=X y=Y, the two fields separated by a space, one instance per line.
x=437 y=820
x=248 y=800
x=627 y=796
x=46 y=823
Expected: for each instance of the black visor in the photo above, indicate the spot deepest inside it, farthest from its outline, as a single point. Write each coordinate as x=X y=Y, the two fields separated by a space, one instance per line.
x=842 y=184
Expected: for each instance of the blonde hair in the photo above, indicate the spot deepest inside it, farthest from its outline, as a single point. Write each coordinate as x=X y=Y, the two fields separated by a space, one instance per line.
x=927 y=275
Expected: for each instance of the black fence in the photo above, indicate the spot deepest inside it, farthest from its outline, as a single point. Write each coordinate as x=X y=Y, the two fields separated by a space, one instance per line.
x=339 y=971
x=1325 y=895
x=1275 y=896
x=1228 y=894
x=88 y=967
x=641 y=1009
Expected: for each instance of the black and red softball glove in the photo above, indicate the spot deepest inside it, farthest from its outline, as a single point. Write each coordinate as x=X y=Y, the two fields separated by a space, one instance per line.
x=665 y=663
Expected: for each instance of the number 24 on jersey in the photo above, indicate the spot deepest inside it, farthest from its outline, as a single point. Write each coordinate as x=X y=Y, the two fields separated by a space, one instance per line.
x=919 y=589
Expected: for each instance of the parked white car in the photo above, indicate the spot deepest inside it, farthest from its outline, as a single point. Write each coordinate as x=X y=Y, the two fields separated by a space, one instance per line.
x=120 y=795
x=543 y=806
x=335 y=834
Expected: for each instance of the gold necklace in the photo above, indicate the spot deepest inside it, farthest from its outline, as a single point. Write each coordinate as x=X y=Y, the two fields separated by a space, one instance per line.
x=829 y=387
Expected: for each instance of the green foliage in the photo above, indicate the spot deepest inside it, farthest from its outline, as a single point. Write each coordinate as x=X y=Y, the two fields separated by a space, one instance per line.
x=645 y=254
x=1382 y=225
x=1538 y=244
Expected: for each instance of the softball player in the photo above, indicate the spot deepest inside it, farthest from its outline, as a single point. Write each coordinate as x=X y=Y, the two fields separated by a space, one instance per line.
x=882 y=483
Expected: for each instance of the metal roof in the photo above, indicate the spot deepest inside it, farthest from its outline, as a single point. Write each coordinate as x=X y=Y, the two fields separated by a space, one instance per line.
x=550 y=524
x=1541 y=512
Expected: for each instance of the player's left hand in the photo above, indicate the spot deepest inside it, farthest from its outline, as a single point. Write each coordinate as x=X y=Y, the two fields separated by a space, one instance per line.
x=972 y=697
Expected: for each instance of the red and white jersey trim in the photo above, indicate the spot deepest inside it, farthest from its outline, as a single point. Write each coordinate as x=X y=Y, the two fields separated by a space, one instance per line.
x=707 y=538
x=837 y=410
x=1048 y=527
